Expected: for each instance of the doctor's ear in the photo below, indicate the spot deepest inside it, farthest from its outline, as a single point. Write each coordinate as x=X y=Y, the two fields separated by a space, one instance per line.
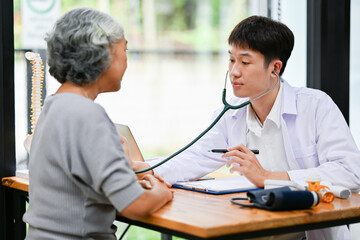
x=277 y=67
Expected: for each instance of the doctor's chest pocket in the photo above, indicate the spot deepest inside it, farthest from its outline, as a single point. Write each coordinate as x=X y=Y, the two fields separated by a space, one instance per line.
x=307 y=157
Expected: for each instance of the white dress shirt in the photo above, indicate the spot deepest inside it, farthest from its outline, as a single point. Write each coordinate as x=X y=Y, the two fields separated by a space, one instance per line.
x=267 y=137
x=316 y=139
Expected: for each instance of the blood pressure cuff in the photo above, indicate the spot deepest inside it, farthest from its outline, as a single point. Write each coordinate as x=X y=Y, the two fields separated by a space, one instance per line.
x=279 y=199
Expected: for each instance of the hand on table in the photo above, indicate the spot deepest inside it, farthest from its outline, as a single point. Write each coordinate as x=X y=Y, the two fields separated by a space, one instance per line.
x=150 y=181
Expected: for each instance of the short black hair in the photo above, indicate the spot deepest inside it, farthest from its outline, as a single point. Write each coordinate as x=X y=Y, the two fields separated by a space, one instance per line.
x=271 y=38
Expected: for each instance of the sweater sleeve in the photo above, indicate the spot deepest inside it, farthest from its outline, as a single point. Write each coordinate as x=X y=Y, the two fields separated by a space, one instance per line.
x=102 y=163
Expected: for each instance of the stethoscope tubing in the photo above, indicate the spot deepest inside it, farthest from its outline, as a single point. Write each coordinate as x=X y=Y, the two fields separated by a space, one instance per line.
x=227 y=106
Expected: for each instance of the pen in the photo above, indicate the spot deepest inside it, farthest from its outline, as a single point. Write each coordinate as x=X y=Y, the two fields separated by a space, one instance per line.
x=255 y=151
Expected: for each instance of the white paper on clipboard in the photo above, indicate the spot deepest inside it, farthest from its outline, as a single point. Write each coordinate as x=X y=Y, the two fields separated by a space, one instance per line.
x=218 y=186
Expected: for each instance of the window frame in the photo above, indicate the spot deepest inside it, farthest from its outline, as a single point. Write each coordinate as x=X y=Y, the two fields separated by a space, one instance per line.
x=328 y=50
x=7 y=115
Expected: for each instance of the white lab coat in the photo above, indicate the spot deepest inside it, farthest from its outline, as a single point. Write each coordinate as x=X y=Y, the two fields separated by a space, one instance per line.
x=317 y=140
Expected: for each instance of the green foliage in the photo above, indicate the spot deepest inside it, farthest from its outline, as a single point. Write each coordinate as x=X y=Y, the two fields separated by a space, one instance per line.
x=17 y=24
x=178 y=22
x=180 y=15
x=215 y=4
x=67 y=5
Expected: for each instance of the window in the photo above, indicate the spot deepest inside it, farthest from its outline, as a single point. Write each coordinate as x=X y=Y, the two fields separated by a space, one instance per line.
x=355 y=71
x=177 y=61
x=176 y=66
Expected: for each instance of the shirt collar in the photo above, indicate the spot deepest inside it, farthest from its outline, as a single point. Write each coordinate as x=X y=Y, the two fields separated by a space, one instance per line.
x=252 y=120
x=288 y=102
x=253 y=123
x=289 y=99
x=275 y=112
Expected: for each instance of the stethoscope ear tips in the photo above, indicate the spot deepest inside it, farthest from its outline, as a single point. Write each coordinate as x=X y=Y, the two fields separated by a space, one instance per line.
x=274 y=72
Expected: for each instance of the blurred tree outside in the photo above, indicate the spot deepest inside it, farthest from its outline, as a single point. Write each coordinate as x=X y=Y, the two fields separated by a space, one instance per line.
x=189 y=25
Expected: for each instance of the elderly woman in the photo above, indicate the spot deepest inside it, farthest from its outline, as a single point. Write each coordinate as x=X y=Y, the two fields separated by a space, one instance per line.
x=79 y=174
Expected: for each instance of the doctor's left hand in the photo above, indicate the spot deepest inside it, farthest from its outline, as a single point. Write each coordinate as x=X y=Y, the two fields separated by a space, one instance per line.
x=244 y=161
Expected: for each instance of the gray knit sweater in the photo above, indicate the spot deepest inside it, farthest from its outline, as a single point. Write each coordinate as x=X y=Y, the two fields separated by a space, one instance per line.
x=79 y=175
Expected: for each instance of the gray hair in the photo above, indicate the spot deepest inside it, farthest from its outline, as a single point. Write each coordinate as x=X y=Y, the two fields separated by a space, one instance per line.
x=78 y=45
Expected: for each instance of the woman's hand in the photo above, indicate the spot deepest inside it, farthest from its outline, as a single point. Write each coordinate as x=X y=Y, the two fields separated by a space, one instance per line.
x=147 y=184
x=135 y=165
x=156 y=195
x=139 y=165
x=157 y=183
x=125 y=144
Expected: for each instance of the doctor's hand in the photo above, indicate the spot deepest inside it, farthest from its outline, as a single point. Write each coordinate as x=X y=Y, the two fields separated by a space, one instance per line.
x=244 y=161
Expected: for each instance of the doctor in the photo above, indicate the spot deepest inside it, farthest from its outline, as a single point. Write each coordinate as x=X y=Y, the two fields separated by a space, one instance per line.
x=298 y=131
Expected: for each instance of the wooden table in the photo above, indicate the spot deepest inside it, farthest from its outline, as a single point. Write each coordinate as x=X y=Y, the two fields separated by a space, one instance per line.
x=195 y=215
x=16 y=183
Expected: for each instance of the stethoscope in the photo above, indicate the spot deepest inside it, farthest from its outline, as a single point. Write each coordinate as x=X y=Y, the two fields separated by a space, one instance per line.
x=227 y=106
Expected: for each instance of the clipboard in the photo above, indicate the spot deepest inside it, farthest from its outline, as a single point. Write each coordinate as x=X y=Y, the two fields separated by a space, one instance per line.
x=218 y=186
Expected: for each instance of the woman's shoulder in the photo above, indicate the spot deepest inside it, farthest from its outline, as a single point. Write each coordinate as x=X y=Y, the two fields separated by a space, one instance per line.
x=72 y=101
x=69 y=105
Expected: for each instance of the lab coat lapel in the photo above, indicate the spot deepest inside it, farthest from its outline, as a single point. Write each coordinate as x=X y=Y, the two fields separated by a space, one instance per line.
x=288 y=118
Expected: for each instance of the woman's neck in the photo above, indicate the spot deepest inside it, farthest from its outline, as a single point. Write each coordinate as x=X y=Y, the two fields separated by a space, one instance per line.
x=84 y=90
